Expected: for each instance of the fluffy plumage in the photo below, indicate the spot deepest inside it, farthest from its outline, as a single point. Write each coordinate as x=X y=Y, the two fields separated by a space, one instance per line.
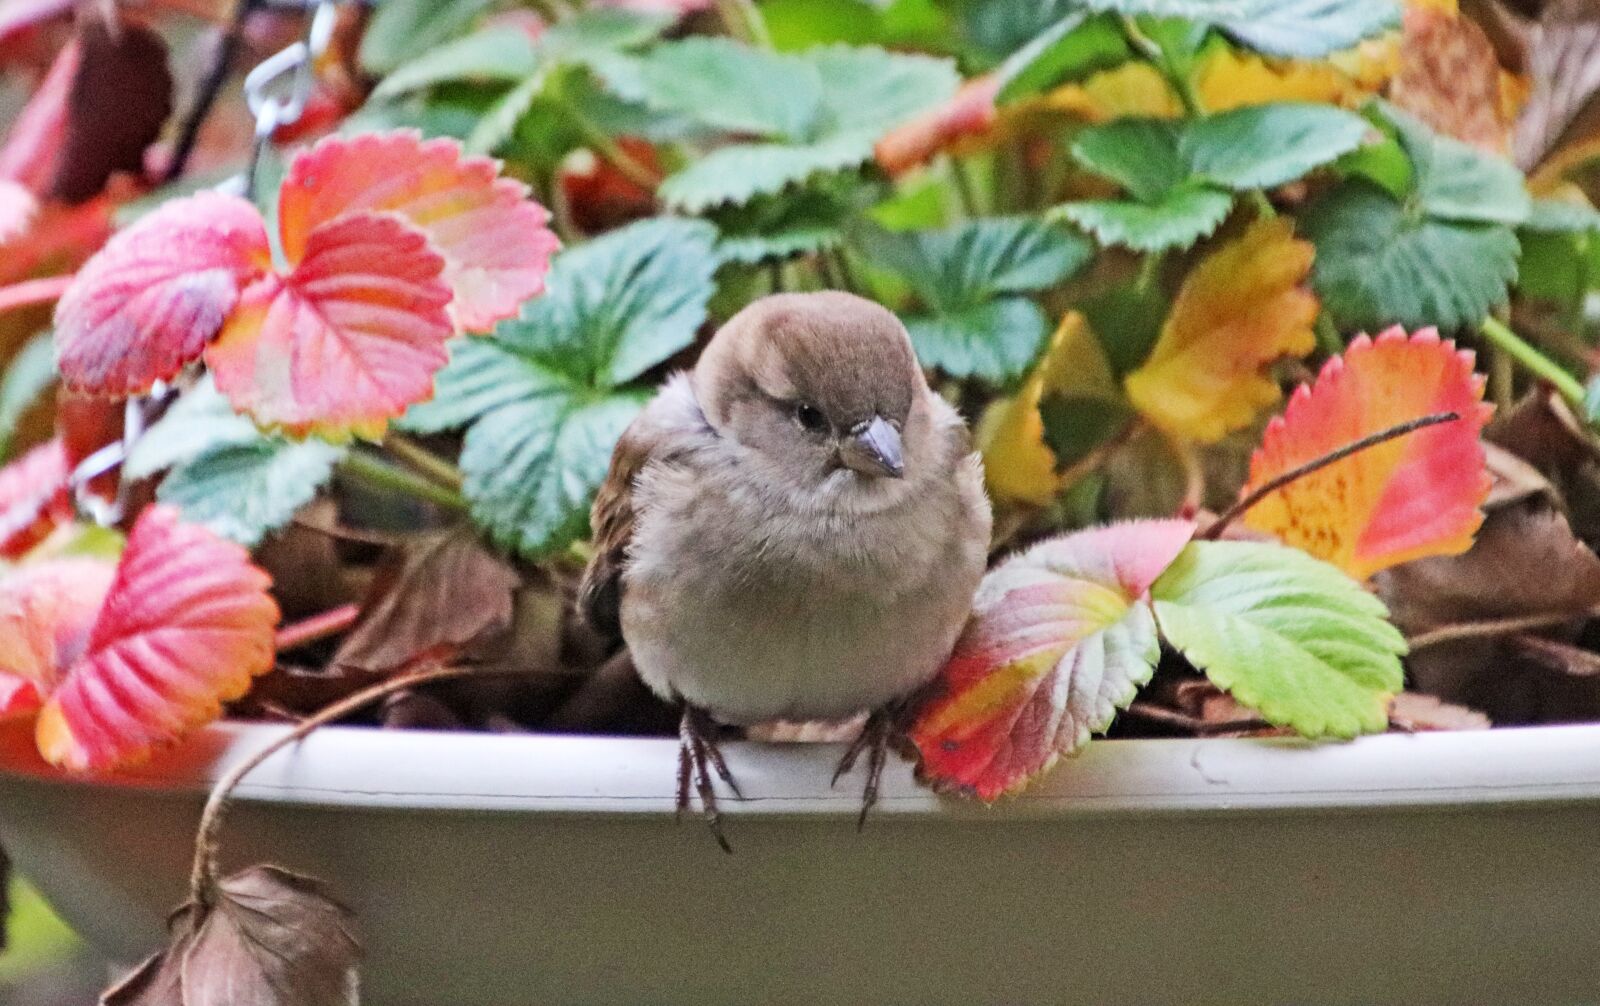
x=796 y=529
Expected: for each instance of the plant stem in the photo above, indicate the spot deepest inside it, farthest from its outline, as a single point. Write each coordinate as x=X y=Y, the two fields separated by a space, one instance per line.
x=1263 y=206
x=1240 y=508
x=1536 y=362
x=229 y=40
x=1495 y=627
x=966 y=193
x=33 y=291
x=375 y=471
x=423 y=460
x=1181 y=85
x=317 y=627
x=203 y=873
x=744 y=21
x=605 y=147
x=1328 y=337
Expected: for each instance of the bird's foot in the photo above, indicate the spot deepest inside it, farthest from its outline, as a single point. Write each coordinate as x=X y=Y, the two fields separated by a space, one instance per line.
x=698 y=757
x=874 y=740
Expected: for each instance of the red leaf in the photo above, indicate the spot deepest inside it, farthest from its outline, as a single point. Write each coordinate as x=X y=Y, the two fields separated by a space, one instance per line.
x=186 y=624
x=46 y=612
x=1060 y=637
x=34 y=144
x=33 y=498
x=348 y=340
x=494 y=240
x=148 y=302
x=120 y=96
x=1415 y=496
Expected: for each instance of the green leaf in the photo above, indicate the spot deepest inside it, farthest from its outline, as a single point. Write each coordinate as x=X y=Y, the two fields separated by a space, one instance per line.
x=1141 y=155
x=1379 y=264
x=541 y=395
x=995 y=340
x=1184 y=216
x=741 y=172
x=1556 y=216
x=817 y=111
x=1307 y=29
x=1263 y=146
x=1457 y=181
x=499 y=123
x=779 y=227
x=1284 y=633
x=1127 y=321
x=966 y=277
x=492 y=54
x=1069 y=50
x=224 y=472
x=1074 y=425
x=728 y=85
x=598 y=31
x=241 y=492
x=403 y=30
x=533 y=466
x=31 y=373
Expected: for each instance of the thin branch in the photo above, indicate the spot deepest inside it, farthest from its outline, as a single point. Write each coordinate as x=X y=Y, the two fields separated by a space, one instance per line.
x=317 y=627
x=376 y=471
x=230 y=40
x=32 y=292
x=202 y=876
x=424 y=460
x=1489 y=628
x=1239 y=509
x=1534 y=361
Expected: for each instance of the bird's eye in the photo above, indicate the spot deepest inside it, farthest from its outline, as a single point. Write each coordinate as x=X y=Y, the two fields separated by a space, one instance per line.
x=808 y=416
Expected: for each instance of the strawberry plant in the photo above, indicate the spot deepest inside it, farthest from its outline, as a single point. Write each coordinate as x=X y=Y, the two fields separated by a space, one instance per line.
x=1228 y=291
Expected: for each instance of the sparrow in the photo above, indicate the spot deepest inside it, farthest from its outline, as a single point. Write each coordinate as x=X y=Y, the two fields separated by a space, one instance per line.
x=794 y=530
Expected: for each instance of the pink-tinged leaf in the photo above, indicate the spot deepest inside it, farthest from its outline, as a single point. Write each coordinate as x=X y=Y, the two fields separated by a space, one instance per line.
x=186 y=624
x=345 y=343
x=33 y=498
x=17 y=207
x=148 y=302
x=1415 y=496
x=1059 y=639
x=46 y=612
x=971 y=111
x=494 y=240
x=33 y=146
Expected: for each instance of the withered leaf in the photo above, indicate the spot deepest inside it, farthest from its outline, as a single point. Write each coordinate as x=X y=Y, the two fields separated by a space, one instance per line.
x=1416 y=711
x=1564 y=62
x=1450 y=78
x=1526 y=561
x=270 y=938
x=120 y=97
x=430 y=600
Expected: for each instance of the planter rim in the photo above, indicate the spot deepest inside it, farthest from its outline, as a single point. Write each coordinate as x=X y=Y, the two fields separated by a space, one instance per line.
x=359 y=767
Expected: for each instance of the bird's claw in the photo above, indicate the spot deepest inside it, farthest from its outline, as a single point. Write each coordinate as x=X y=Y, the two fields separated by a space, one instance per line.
x=698 y=757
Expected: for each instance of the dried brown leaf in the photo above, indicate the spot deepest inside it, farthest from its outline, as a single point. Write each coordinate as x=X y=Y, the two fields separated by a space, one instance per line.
x=1416 y=711
x=1557 y=656
x=120 y=97
x=1564 y=62
x=430 y=600
x=1450 y=78
x=269 y=938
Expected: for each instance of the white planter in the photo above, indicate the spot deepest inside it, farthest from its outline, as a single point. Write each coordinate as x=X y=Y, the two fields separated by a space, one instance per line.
x=500 y=870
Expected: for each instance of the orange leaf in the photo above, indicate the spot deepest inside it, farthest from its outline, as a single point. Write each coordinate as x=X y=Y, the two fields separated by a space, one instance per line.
x=1241 y=308
x=46 y=612
x=971 y=111
x=494 y=240
x=186 y=623
x=147 y=303
x=1411 y=497
x=348 y=340
x=1060 y=637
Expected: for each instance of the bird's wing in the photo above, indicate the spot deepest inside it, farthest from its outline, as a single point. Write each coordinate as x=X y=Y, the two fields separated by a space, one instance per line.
x=666 y=430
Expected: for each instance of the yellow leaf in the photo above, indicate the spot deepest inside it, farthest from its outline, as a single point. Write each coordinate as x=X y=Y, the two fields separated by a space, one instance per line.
x=1241 y=308
x=1133 y=89
x=1232 y=79
x=1019 y=465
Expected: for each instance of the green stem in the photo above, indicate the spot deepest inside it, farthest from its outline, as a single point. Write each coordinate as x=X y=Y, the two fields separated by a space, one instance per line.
x=1263 y=206
x=375 y=471
x=1147 y=48
x=1149 y=271
x=1532 y=360
x=423 y=460
x=607 y=148
x=966 y=194
x=1328 y=337
x=744 y=21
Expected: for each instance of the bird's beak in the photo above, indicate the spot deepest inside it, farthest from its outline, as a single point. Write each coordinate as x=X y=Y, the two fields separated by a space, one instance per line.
x=873 y=448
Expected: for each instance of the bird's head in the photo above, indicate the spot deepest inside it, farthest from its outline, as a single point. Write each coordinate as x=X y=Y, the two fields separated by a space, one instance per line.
x=820 y=383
